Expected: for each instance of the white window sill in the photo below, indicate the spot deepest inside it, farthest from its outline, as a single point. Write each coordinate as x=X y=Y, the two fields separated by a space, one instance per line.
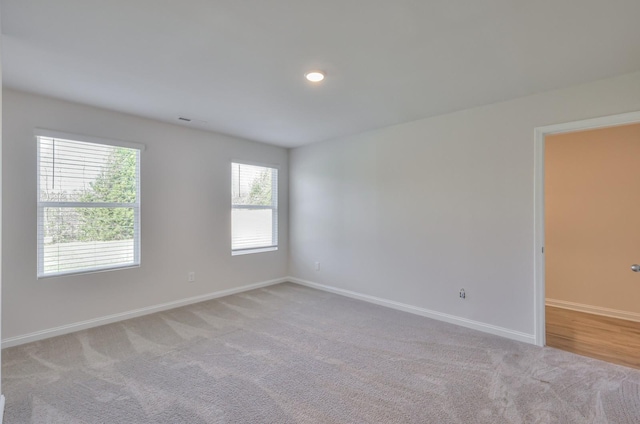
x=250 y=251
x=88 y=271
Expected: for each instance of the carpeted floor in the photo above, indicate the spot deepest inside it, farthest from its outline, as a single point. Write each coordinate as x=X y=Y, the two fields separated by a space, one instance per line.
x=290 y=354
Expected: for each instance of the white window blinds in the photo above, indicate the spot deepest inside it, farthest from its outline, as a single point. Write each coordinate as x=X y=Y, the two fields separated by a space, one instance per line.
x=254 y=208
x=88 y=206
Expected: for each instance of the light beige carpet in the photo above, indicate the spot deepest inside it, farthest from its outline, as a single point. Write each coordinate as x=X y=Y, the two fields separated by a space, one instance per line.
x=290 y=354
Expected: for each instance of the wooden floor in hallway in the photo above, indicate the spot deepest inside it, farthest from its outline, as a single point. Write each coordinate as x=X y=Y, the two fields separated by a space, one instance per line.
x=610 y=339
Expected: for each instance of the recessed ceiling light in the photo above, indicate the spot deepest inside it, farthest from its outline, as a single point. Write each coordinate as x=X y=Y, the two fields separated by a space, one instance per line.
x=314 y=76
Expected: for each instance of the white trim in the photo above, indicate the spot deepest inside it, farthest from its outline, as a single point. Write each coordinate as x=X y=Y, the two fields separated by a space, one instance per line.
x=274 y=206
x=592 y=123
x=2 y=400
x=595 y=310
x=538 y=242
x=539 y=262
x=42 y=132
x=252 y=207
x=41 y=205
x=452 y=319
x=87 y=205
x=249 y=251
x=106 y=268
x=83 y=325
x=254 y=163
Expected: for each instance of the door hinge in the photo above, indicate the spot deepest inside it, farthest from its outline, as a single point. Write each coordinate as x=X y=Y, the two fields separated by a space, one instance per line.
x=543 y=250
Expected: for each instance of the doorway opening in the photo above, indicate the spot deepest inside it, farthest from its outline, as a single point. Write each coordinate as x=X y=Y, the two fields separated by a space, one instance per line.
x=567 y=257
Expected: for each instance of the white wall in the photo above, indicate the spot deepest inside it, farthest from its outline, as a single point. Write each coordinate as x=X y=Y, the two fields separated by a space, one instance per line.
x=185 y=213
x=414 y=212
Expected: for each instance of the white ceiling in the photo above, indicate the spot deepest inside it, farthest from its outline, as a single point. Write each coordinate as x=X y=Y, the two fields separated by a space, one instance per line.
x=239 y=64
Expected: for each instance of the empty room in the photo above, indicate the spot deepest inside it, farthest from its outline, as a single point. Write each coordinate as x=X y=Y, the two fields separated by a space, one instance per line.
x=287 y=211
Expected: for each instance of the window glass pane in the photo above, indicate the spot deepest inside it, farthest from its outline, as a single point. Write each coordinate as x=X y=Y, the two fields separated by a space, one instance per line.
x=251 y=185
x=86 y=172
x=88 y=208
x=254 y=204
x=252 y=228
x=87 y=238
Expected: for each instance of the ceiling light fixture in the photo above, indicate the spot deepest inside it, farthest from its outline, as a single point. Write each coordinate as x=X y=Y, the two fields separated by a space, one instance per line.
x=314 y=76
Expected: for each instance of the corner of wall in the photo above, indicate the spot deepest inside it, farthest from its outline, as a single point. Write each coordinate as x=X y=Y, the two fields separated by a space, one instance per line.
x=289 y=250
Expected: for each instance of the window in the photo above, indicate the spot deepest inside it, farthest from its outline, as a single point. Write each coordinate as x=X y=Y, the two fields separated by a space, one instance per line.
x=254 y=209
x=88 y=205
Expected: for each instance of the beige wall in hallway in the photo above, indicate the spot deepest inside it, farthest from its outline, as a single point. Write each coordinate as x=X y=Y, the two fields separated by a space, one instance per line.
x=592 y=208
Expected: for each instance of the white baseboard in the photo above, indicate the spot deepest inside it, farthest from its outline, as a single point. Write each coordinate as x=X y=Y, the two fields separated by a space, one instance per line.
x=596 y=310
x=1 y=408
x=452 y=319
x=70 y=328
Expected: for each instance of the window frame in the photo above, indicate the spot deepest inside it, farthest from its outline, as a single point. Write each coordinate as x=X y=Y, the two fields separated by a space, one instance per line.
x=275 y=206
x=40 y=205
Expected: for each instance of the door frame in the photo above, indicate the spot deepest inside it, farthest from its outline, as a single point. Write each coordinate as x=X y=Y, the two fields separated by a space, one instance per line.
x=539 y=261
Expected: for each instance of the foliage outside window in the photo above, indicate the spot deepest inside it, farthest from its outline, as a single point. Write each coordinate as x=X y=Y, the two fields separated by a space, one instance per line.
x=88 y=206
x=254 y=208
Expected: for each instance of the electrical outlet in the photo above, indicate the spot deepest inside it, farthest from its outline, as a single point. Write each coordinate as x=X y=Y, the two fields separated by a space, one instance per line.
x=191 y=277
x=317 y=266
x=463 y=295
